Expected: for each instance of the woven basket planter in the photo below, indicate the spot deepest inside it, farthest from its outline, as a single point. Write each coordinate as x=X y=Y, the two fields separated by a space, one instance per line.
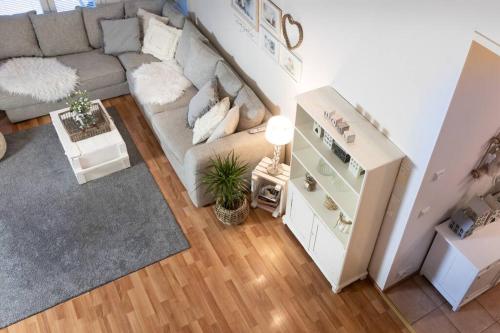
x=232 y=217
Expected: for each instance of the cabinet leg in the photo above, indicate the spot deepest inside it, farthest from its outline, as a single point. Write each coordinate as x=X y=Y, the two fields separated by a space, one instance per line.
x=336 y=289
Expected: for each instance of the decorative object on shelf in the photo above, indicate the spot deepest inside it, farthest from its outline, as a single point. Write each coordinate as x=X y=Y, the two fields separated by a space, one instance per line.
x=270 y=16
x=328 y=140
x=328 y=114
x=99 y=120
x=279 y=132
x=290 y=63
x=270 y=44
x=490 y=155
x=344 y=157
x=343 y=224
x=342 y=127
x=309 y=183
x=324 y=169
x=336 y=119
x=317 y=129
x=3 y=146
x=463 y=222
x=349 y=136
x=79 y=104
x=355 y=169
x=226 y=181
x=249 y=10
x=288 y=19
x=329 y=203
x=261 y=179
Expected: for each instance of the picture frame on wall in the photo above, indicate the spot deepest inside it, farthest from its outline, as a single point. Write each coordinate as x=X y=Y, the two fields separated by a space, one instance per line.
x=249 y=10
x=270 y=44
x=271 y=16
x=290 y=63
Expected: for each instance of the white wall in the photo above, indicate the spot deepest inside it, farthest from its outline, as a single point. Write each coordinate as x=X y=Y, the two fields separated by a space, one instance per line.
x=398 y=61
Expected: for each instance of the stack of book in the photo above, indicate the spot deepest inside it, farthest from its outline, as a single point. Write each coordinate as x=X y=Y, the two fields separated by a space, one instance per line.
x=269 y=197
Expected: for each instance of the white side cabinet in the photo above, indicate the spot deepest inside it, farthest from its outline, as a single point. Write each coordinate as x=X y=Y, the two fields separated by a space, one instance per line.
x=341 y=253
x=463 y=269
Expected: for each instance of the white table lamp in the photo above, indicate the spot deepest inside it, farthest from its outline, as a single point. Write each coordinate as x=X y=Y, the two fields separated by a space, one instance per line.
x=279 y=132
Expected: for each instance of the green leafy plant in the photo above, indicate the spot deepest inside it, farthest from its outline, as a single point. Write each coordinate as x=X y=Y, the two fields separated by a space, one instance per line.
x=79 y=103
x=226 y=180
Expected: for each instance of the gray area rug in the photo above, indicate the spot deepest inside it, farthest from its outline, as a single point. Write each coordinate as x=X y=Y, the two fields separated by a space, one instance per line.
x=59 y=239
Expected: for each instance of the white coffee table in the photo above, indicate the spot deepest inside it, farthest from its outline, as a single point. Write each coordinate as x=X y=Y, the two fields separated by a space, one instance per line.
x=94 y=157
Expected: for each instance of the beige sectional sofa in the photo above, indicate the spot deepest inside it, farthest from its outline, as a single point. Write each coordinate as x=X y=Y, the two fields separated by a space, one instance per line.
x=105 y=76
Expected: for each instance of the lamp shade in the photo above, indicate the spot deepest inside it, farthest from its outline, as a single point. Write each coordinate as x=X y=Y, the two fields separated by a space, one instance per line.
x=279 y=130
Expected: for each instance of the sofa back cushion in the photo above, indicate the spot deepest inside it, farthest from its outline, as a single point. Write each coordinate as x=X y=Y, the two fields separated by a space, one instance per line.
x=252 y=110
x=17 y=37
x=152 y=6
x=229 y=83
x=202 y=102
x=176 y=18
x=60 y=33
x=200 y=63
x=92 y=16
x=121 y=35
x=189 y=31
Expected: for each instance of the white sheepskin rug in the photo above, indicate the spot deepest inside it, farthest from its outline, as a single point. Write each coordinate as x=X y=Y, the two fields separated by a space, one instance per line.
x=159 y=82
x=45 y=79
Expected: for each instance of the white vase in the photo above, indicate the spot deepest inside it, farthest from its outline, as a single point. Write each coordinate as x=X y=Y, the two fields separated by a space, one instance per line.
x=3 y=146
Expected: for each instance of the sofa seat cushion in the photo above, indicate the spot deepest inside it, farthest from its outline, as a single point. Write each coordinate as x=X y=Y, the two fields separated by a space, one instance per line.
x=132 y=60
x=95 y=69
x=170 y=127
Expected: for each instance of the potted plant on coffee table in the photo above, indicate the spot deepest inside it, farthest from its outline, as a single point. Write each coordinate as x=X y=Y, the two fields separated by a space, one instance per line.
x=226 y=180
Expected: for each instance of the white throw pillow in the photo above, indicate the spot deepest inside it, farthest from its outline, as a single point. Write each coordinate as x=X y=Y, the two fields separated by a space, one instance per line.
x=228 y=125
x=206 y=125
x=161 y=40
x=145 y=16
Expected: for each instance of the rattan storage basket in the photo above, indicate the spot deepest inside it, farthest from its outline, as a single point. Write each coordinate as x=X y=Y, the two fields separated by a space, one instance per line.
x=76 y=133
x=232 y=217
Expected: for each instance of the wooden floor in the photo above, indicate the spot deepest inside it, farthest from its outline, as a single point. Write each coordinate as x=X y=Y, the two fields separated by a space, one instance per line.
x=427 y=311
x=250 y=278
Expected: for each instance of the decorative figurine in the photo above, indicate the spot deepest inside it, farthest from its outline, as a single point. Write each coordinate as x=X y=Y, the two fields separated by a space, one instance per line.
x=344 y=157
x=328 y=114
x=328 y=140
x=329 y=203
x=342 y=127
x=355 y=169
x=336 y=120
x=349 y=136
x=344 y=224
x=309 y=183
x=317 y=129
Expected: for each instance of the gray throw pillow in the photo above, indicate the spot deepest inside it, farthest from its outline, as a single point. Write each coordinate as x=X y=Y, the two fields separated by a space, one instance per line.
x=200 y=63
x=92 y=17
x=227 y=126
x=202 y=102
x=229 y=83
x=175 y=17
x=121 y=35
x=61 y=33
x=17 y=37
x=252 y=110
x=189 y=31
x=152 y=6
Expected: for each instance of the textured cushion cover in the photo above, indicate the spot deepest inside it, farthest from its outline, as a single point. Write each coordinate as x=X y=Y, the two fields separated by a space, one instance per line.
x=161 y=40
x=121 y=35
x=200 y=63
x=189 y=31
x=95 y=69
x=206 y=125
x=17 y=37
x=227 y=126
x=202 y=102
x=171 y=11
x=92 y=16
x=152 y=6
x=144 y=18
x=252 y=111
x=132 y=60
x=60 y=33
x=229 y=83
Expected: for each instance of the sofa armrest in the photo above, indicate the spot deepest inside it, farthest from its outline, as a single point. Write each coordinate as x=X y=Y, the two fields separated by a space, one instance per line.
x=250 y=148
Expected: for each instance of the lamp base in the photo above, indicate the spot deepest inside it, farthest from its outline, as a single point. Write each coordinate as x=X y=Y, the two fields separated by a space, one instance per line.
x=274 y=168
x=271 y=170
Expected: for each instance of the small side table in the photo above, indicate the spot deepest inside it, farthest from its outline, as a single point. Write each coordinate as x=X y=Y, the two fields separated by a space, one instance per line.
x=260 y=177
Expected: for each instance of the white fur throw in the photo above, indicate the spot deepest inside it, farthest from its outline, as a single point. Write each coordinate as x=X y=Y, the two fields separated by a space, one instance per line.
x=45 y=79
x=159 y=82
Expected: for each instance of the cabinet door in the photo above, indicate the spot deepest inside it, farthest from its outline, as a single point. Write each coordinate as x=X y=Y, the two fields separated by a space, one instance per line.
x=484 y=281
x=327 y=251
x=300 y=217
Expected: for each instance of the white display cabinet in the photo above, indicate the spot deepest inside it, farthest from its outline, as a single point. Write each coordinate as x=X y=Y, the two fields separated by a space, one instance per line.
x=343 y=257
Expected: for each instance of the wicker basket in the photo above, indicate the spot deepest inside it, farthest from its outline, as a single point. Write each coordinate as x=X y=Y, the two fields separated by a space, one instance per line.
x=232 y=217
x=75 y=133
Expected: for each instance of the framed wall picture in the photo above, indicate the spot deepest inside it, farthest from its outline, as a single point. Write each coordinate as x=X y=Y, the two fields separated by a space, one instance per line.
x=249 y=10
x=270 y=44
x=290 y=63
x=270 y=16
